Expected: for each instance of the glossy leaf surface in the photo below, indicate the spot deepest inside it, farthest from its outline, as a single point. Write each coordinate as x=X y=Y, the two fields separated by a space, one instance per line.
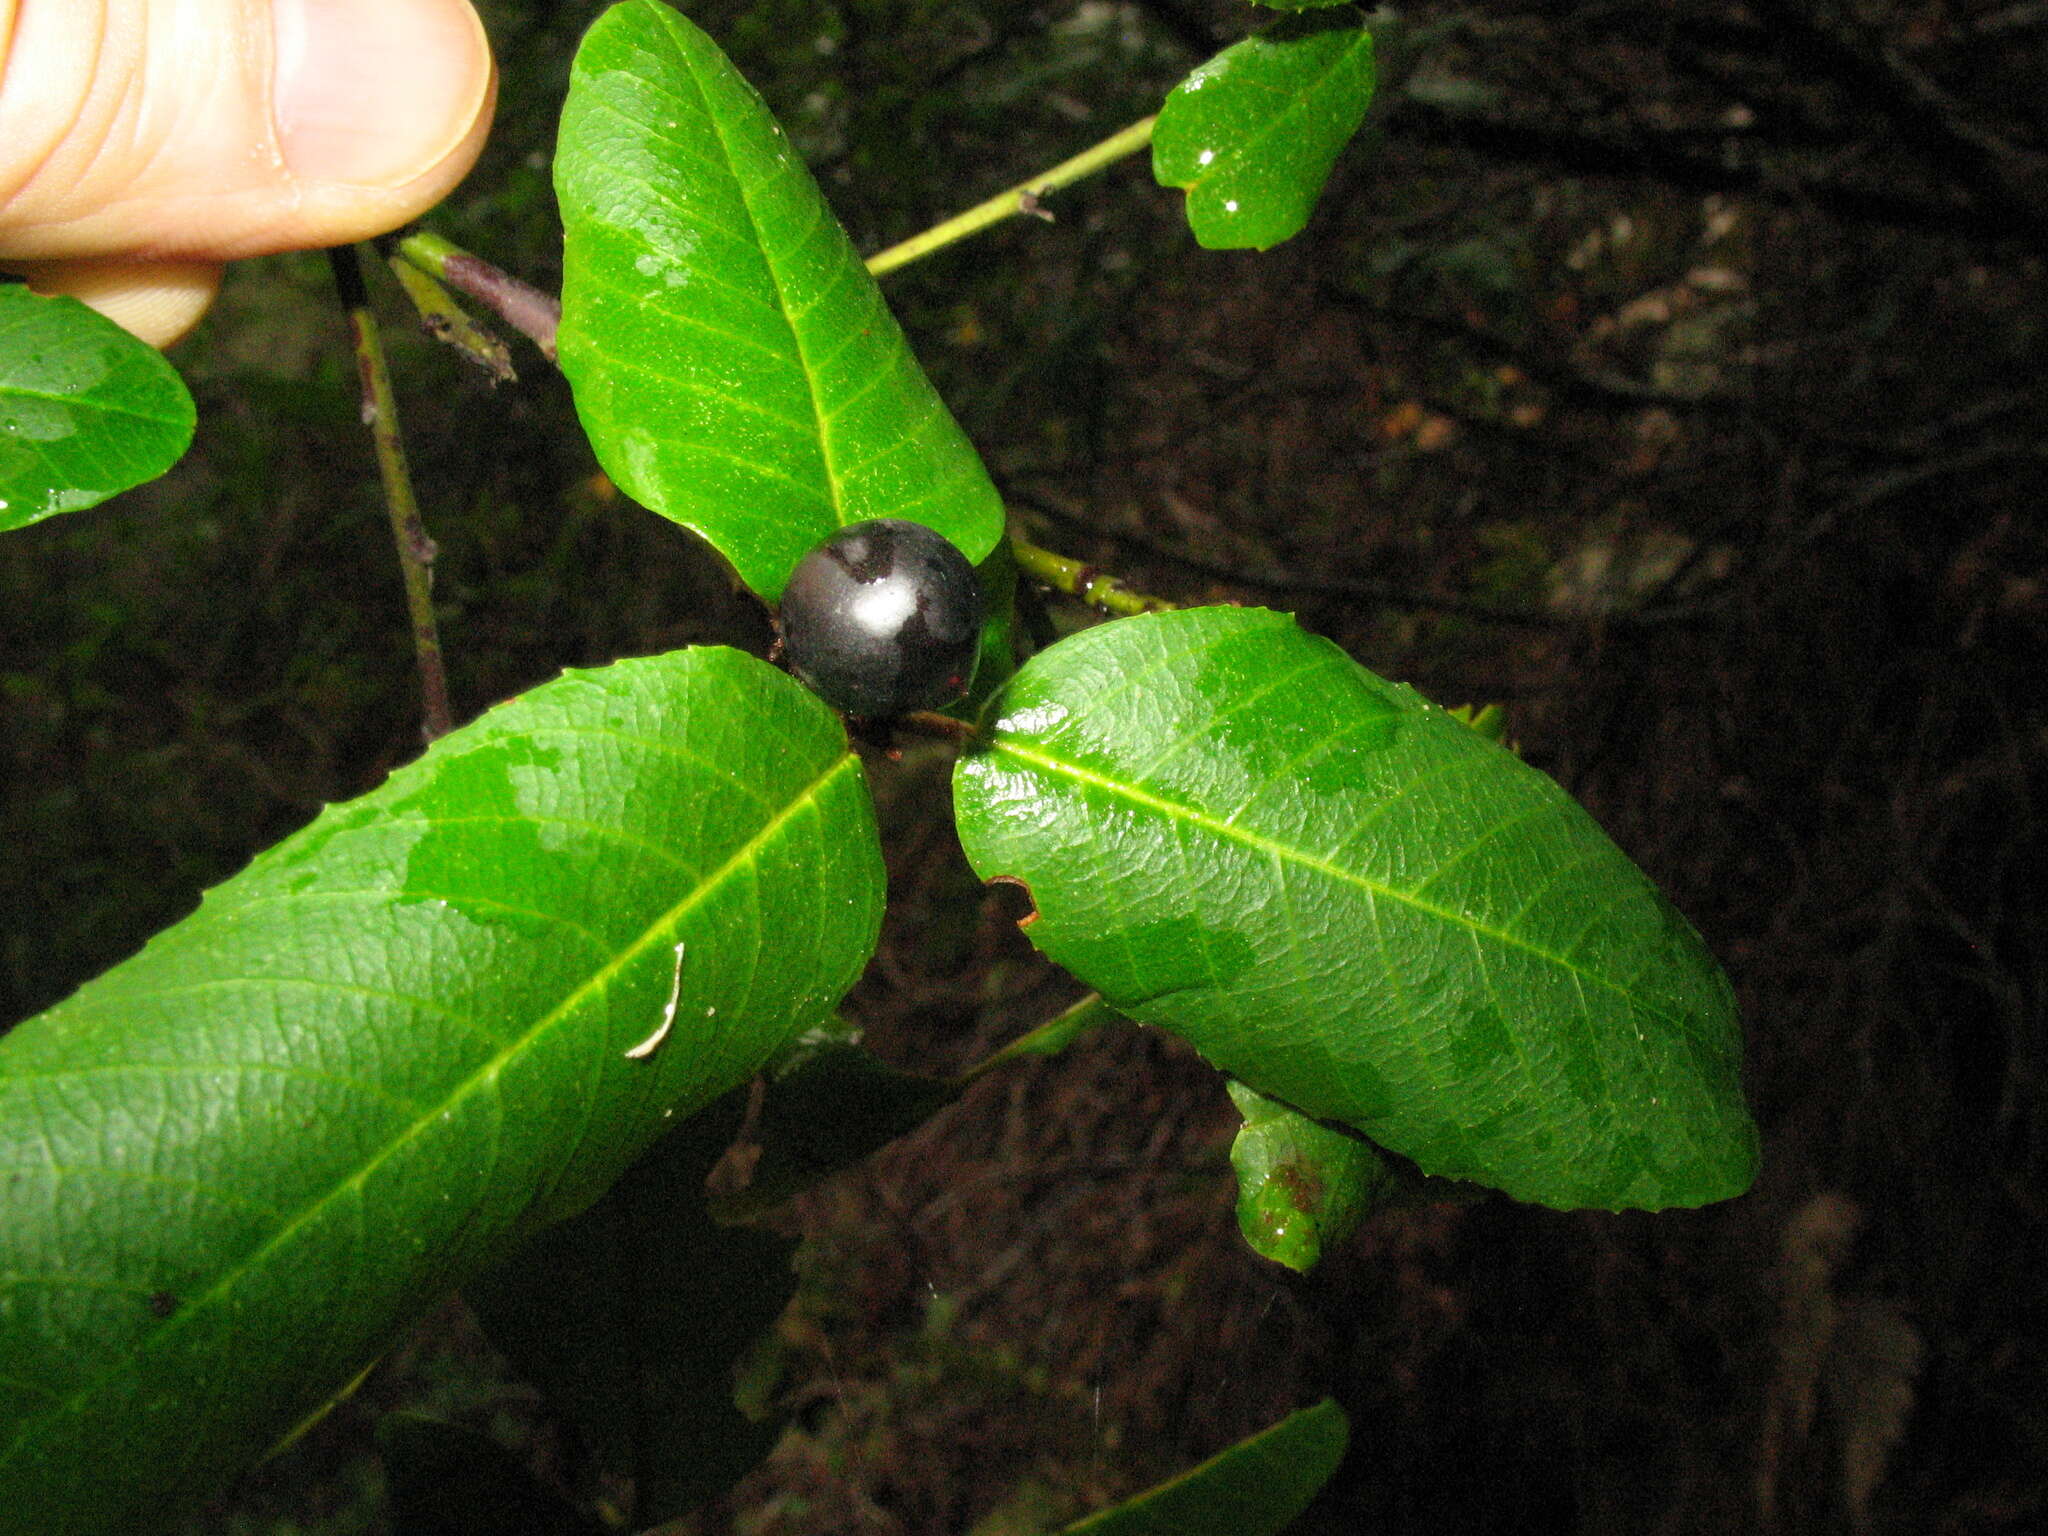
x=394 y=1045
x=1252 y=134
x=1353 y=903
x=1302 y=1186
x=732 y=359
x=1255 y=1488
x=86 y=410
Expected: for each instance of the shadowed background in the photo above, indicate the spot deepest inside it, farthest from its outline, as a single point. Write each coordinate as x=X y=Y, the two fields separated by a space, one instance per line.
x=1669 y=372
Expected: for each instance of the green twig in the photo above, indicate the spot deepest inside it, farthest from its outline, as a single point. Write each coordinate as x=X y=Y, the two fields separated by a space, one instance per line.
x=937 y=725
x=1049 y=1039
x=1089 y=583
x=444 y=320
x=1023 y=198
x=522 y=306
x=415 y=549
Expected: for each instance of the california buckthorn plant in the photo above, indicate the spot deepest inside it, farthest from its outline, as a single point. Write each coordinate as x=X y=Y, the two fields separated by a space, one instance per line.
x=883 y=617
x=453 y=1032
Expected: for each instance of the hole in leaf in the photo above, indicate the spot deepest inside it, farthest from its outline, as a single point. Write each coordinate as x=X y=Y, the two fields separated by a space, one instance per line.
x=1014 y=899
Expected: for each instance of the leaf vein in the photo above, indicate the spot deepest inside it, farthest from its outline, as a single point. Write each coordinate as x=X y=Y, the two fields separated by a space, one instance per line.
x=482 y=1079
x=1259 y=842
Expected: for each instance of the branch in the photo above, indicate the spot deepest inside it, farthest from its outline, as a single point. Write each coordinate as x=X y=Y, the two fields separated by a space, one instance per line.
x=1089 y=583
x=1022 y=198
x=522 y=306
x=1922 y=114
x=444 y=320
x=1539 y=144
x=408 y=532
x=1391 y=594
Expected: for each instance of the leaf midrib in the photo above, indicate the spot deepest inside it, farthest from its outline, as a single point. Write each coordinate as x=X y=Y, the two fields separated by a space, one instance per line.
x=1291 y=854
x=487 y=1071
x=1298 y=102
x=821 y=415
x=91 y=403
x=178 y=418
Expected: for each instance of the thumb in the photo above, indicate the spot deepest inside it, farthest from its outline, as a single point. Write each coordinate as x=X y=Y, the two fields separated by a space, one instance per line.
x=143 y=142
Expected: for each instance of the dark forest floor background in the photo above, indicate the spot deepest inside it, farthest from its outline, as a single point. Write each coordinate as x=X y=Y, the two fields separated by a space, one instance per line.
x=1669 y=372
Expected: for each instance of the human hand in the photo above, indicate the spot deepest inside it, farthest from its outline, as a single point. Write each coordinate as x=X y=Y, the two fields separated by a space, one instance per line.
x=145 y=142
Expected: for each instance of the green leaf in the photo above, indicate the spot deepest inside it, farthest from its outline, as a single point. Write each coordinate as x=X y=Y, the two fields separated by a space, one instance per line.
x=1050 y=1038
x=86 y=410
x=1255 y=1488
x=1347 y=899
x=632 y=1315
x=1302 y=1186
x=1252 y=134
x=1300 y=5
x=997 y=658
x=1489 y=720
x=734 y=363
x=396 y=1044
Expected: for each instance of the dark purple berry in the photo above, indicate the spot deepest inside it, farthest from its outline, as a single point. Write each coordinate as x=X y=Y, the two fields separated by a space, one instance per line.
x=882 y=618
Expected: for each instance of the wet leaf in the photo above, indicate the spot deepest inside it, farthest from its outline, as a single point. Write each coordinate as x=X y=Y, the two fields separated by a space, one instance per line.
x=1302 y=1186
x=1347 y=899
x=732 y=359
x=1255 y=1488
x=1252 y=134
x=393 y=1047
x=86 y=410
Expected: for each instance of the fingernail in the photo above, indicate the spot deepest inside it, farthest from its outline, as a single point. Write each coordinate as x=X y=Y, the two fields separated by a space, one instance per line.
x=375 y=93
